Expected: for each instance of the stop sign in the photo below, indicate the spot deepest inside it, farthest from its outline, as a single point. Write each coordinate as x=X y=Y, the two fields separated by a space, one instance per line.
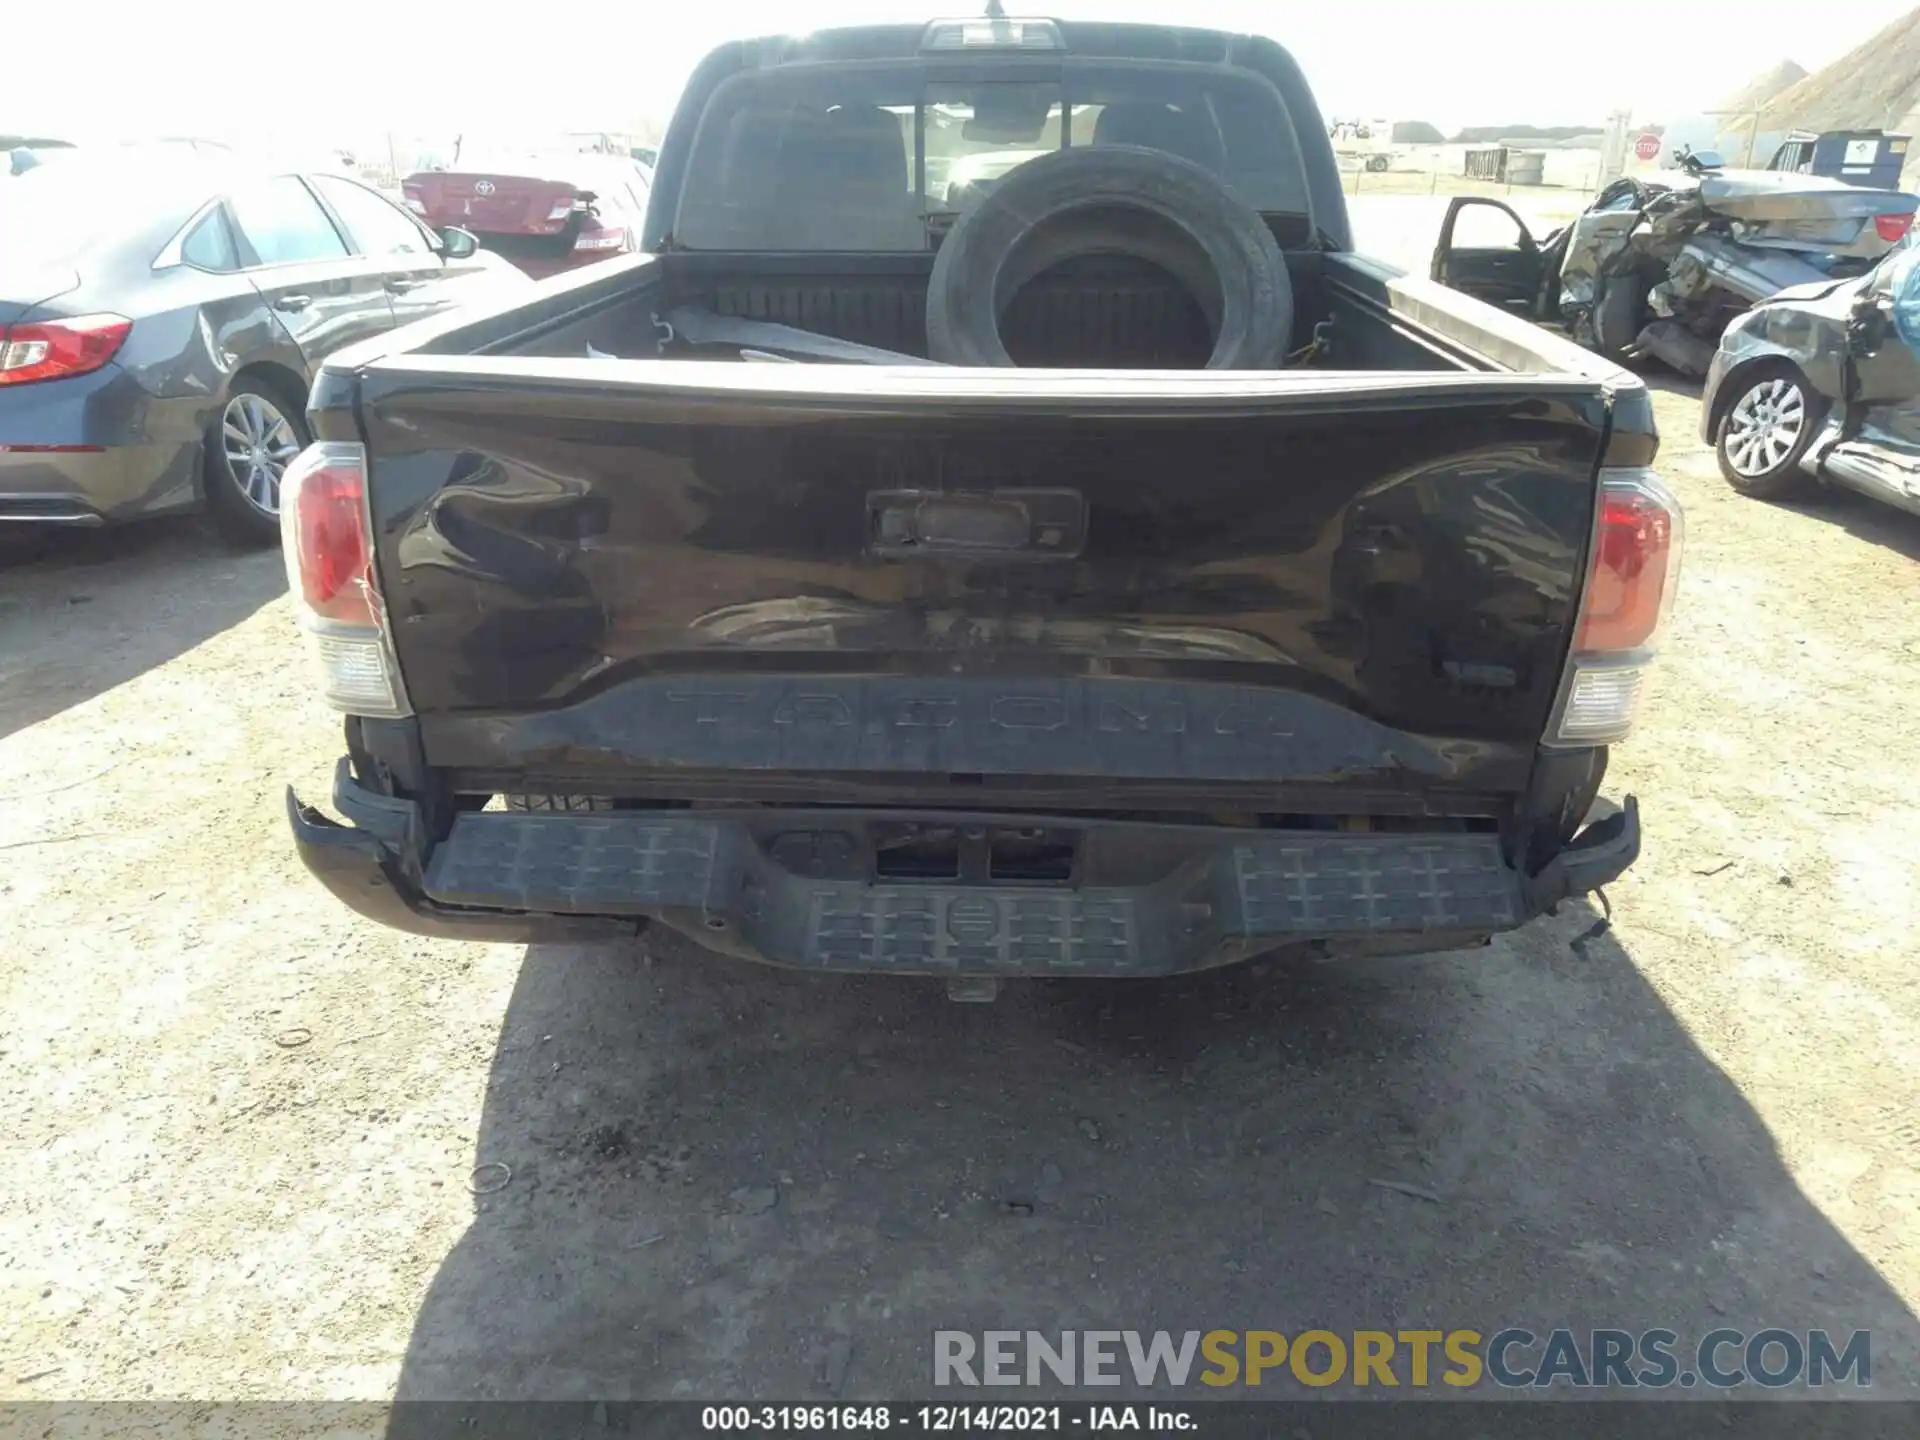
x=1647 y=147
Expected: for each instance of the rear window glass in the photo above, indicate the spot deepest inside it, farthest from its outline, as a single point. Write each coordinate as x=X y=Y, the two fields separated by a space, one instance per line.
x=617 y=183
x=49 y=214
x=56 y=212
x=531 y=164
x=858 y=157
x=585 y=170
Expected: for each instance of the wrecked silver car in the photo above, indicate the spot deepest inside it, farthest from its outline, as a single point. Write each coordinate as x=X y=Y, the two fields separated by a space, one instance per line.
x=1660 y=267
x=1821 y=385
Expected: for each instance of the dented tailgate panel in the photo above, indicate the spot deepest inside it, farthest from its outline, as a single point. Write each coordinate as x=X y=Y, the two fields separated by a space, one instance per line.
x=1328 y=579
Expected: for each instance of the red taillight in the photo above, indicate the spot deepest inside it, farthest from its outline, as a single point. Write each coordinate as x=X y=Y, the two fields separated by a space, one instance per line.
x=53 y=349
x=1631 y=577
x=328 y=542
x=1629 y=580
x=325 y=495
x=1891 y=227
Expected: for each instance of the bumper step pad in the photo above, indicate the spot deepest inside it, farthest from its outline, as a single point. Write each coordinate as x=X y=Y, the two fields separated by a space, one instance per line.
x=712 y=874
x=575 y=863
x=1366 y=887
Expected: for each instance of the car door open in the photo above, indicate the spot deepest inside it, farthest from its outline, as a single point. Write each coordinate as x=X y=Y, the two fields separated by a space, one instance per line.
x=1486 y=258
x=1884 y=366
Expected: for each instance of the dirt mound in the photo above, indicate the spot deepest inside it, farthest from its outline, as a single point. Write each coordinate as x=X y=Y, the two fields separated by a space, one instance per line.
x=1520 y=134
x=1765 y=86
x=1873 y=86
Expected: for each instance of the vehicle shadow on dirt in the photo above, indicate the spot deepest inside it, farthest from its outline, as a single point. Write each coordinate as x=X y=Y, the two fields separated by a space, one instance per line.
x=82 y=611
x=721 y=1181
x=1865 y=518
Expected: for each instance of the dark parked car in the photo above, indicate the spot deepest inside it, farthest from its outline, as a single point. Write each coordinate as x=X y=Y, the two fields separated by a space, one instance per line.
x=162 y=313
x=1821 y=385
x=544 y=212
x=1124 y=577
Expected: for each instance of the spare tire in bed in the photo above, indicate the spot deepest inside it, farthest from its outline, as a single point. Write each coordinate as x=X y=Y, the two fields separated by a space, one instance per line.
x=1112 y=200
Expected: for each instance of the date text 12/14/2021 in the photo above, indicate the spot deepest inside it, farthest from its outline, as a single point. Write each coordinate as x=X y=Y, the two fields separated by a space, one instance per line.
x=944 y=1419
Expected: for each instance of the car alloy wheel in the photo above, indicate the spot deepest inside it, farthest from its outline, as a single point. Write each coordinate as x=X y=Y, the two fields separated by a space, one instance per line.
x=259 y=445
x=1765 y=425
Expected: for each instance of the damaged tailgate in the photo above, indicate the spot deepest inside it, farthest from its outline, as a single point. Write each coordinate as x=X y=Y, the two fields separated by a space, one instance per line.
x=621 y=573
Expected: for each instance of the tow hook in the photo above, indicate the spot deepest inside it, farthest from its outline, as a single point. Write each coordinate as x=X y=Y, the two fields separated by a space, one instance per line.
x=973 y=989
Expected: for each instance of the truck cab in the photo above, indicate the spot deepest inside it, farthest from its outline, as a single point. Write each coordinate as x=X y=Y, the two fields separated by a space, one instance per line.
x=1870 y=158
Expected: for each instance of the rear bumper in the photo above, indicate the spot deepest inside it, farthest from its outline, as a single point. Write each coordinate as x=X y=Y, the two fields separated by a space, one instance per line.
x=1144 y=900
x=89 y=487
x=94 y=448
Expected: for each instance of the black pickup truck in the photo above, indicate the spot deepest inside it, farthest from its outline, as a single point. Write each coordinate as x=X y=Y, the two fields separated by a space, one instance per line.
x=703 y=589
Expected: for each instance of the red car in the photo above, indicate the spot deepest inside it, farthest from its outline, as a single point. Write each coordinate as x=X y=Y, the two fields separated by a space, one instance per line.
x=544 y=212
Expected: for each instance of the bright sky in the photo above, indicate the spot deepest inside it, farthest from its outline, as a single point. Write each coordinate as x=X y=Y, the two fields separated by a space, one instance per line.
x=344 y=71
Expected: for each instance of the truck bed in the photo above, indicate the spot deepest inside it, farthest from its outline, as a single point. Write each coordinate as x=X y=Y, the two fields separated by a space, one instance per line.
x=1109 y=312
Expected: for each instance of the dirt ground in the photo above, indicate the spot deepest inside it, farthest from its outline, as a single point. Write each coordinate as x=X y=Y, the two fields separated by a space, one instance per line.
x=243 y=1128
